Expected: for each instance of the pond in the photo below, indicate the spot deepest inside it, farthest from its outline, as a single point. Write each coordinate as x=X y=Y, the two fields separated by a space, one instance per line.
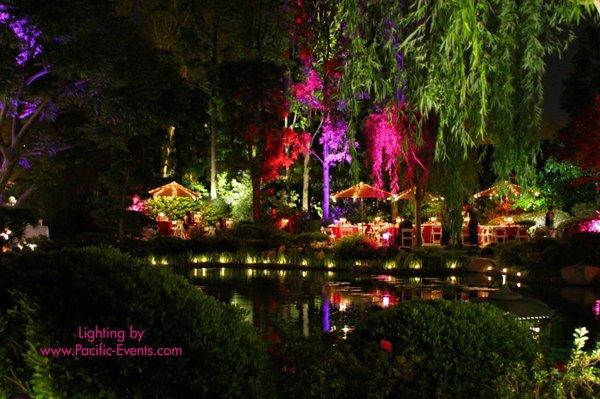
x=311 y=301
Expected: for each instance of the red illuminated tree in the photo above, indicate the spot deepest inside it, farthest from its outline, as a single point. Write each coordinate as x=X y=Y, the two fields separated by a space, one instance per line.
x=255 y=97
x=582 y=140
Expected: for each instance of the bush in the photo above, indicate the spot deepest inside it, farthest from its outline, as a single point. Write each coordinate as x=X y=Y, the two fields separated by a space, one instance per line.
x=324 y=366
x=309 y=238
x=546 y=256
x=451 y=349
x=584 y=248
x=260 y=235
x=60 y=291
x=578 y=377
x=355 y=247
x=174 y=207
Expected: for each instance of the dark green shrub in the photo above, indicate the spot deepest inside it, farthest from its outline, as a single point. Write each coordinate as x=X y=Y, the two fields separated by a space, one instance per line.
x=60 y=291
x=452 y=349
x=584 y=248
x=355 y=247
x=307 y=225
x=108 y=219
x=260 y=235
x=309 y=238
x=16 y=218
x=325 y=366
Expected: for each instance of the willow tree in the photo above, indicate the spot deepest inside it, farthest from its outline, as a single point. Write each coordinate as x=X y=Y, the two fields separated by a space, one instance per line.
x=473 y=70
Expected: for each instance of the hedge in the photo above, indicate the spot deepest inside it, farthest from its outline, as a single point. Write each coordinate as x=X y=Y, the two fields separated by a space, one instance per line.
x=55 y=293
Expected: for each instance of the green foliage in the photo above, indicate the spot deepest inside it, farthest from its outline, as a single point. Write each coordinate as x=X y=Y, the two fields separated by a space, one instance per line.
x=585 y=210
x=320 y=366
x=355 y=247
x=173 y=207
x=108 y=219
x=263 y=234
x=579 y=377
x=58 y=292
x=237 y=193
x=451 y=349
x=309 y=238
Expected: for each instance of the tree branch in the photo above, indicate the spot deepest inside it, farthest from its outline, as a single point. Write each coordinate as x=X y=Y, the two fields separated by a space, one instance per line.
x=23 y=131
x=26 y=194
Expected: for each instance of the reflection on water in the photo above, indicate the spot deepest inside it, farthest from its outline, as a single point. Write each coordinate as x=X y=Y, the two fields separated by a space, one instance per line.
x=314 y=301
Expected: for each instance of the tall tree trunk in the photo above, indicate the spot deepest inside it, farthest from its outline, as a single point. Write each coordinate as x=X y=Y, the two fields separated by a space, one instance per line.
x=394 y=209
x=256 y=197
x=326 y=188
x=213 y=155
x=419 y=194
x=306 y=180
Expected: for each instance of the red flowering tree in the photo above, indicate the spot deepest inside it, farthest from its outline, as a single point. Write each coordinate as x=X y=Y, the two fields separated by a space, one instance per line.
x=257 y=107
x=582 y=140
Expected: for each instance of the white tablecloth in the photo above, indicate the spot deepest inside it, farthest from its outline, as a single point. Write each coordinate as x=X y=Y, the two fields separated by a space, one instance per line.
x=36 y=231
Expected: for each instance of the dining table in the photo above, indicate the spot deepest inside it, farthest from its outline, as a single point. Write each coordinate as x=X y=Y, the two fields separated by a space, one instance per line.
x=341 y=230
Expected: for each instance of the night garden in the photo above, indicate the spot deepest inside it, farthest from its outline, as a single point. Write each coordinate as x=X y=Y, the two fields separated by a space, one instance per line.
x=300 y=199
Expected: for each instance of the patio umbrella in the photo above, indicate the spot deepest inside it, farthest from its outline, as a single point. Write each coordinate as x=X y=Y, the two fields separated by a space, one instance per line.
x=497 y=189
x=409 y=195
x=362 y=190
x=172 y=189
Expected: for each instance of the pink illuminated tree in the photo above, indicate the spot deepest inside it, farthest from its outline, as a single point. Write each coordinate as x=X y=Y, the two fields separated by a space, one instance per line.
x=397 y=137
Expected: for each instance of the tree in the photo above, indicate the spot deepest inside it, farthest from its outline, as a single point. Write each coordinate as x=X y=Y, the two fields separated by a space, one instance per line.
x=584 y=83
x=580 y=144
x=318 y=39
x=392 y=137
x=99 y=145
x=62 y=58
x=473 y=70
x=255 y=97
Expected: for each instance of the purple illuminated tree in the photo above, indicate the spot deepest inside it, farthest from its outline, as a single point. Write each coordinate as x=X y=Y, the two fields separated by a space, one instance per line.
x=64 y=61
x=319 y=41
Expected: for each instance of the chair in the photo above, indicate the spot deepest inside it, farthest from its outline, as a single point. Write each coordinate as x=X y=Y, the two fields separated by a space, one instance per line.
x=328 y=231
x=500 y=235
x=486 y=236
x=522 y=234
x=179 y=230
x=406 y=237
x=465 y=237
x=436 y=235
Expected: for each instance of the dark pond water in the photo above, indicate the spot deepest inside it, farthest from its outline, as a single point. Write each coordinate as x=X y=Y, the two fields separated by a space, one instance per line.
x=314 y=301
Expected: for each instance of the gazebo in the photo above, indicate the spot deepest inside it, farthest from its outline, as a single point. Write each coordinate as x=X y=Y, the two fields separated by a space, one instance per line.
x=172 y=189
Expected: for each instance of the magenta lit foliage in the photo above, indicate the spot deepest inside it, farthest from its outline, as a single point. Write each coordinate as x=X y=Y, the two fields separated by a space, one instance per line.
x=335 y=139
x=390 y=140
x=591 y=225
x=304 y=92
x=137 y=204
x=27 y=35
